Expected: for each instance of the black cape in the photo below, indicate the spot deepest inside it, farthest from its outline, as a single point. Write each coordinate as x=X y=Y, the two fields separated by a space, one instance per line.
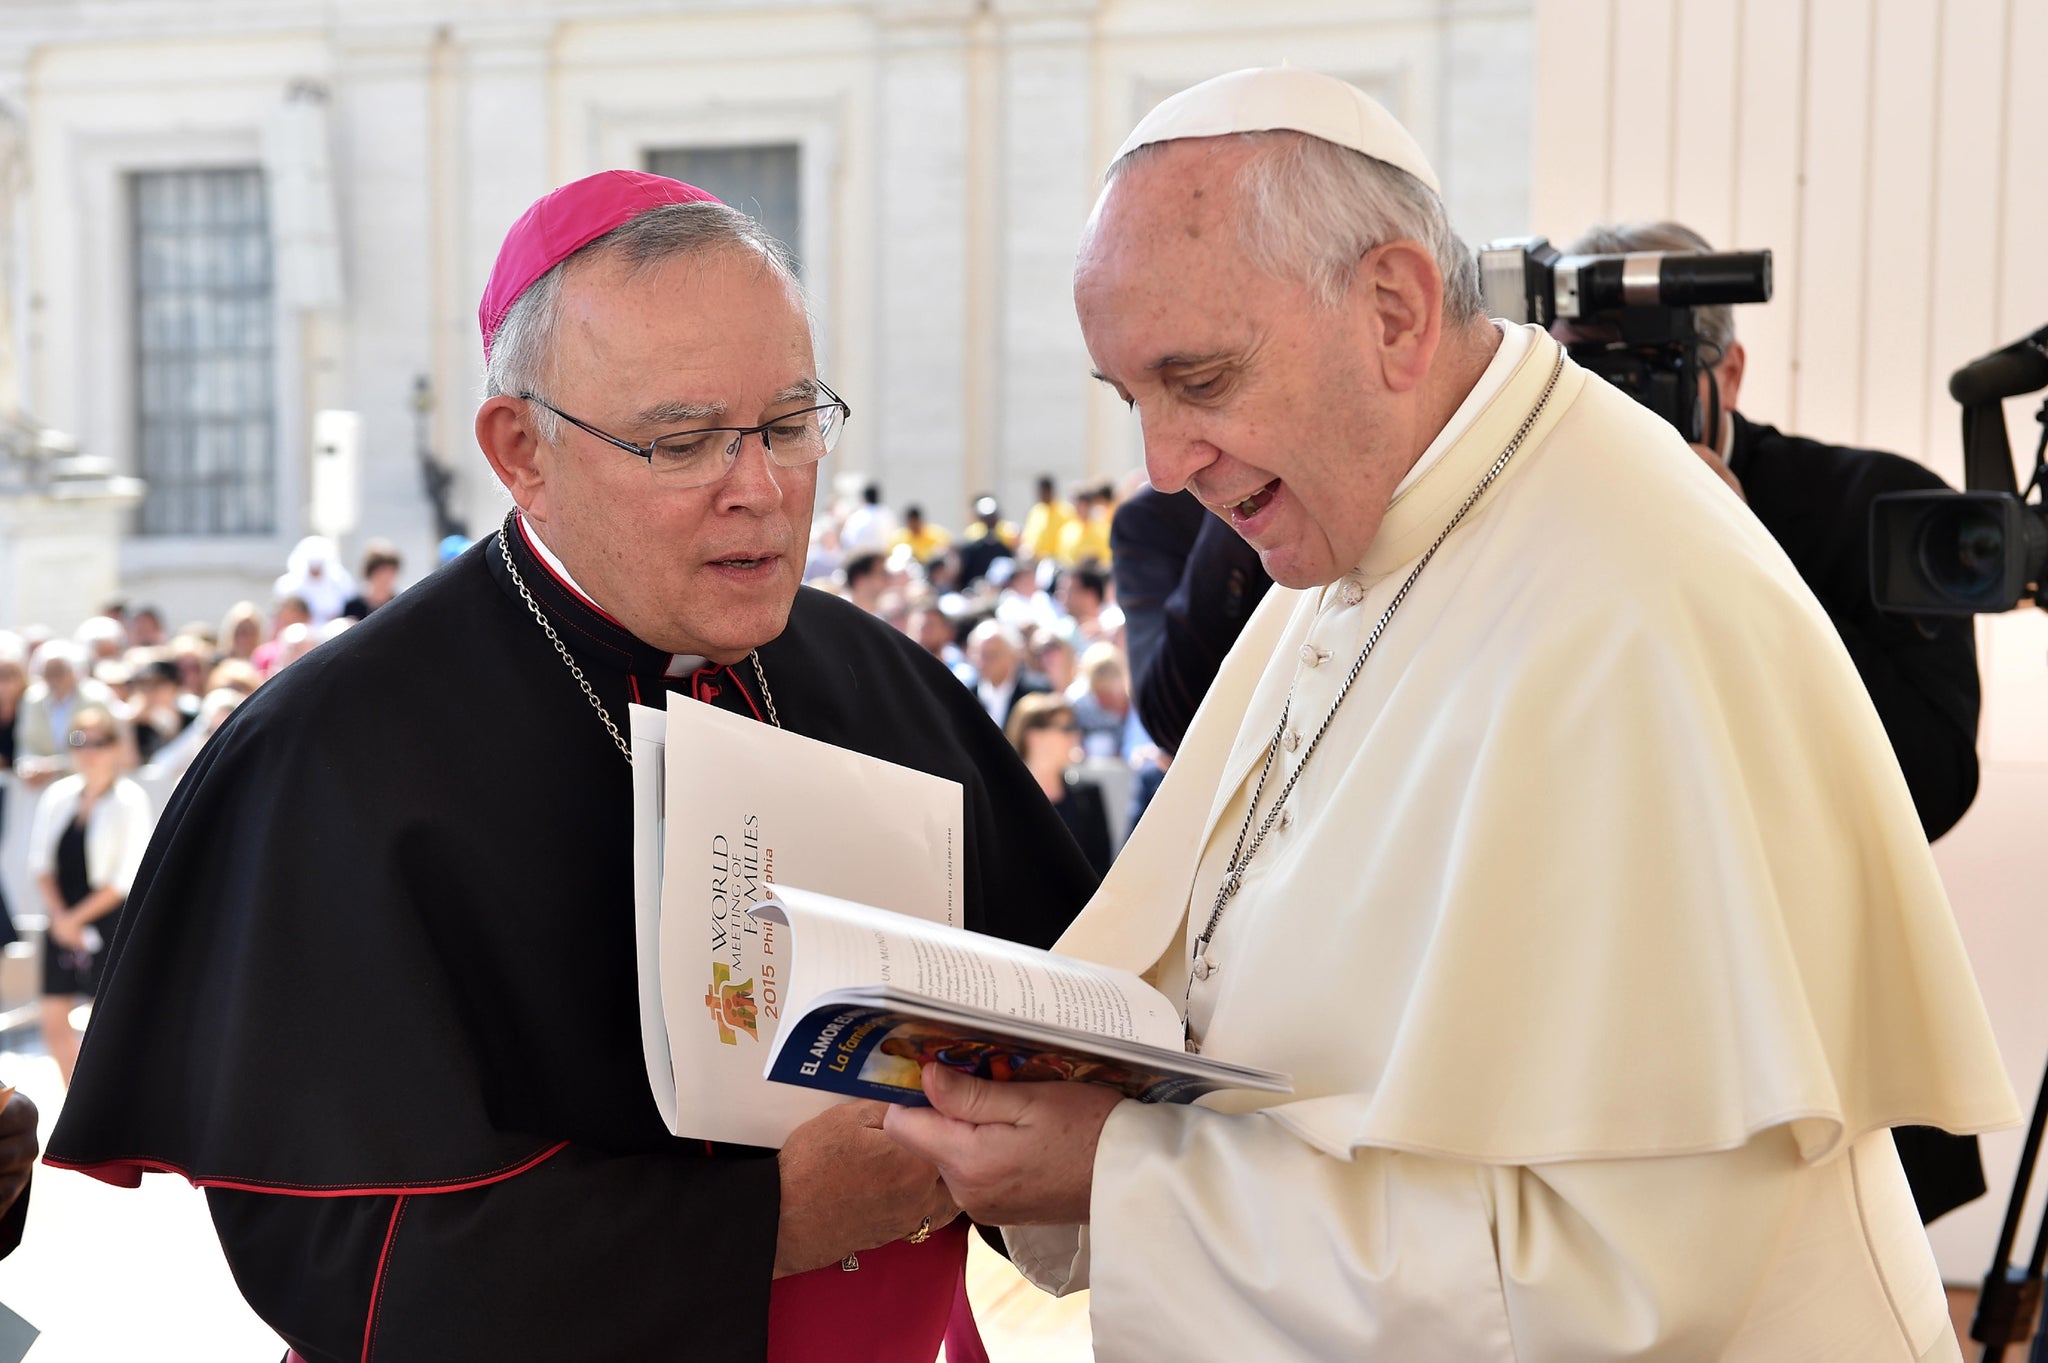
x=382 y=946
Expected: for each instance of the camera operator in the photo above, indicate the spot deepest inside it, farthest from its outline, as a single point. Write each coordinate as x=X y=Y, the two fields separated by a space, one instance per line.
x=1814 y=498
x=1920 y=671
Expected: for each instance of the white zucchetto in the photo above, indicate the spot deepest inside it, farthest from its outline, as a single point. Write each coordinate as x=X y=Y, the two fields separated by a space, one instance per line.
x=1281 y=98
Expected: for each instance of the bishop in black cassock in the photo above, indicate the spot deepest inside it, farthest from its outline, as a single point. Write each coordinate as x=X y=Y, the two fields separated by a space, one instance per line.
x=374 y=989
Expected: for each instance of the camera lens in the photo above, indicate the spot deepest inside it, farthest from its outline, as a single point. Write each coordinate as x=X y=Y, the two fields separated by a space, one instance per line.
x=1962 y=550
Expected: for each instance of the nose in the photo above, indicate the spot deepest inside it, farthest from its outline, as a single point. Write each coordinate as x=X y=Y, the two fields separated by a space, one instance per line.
x=751 y=482
x=1174 y=453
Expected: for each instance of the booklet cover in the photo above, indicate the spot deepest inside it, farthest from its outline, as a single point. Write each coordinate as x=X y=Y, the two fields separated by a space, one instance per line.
x=721 y=805
x=874 y=996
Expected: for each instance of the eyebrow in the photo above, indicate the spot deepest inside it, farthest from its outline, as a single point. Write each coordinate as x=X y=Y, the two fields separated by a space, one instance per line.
x=1166 y=362
x=672 y=413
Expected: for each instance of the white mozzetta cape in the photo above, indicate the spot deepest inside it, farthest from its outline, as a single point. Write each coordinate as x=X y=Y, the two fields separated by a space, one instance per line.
x=1606 y=856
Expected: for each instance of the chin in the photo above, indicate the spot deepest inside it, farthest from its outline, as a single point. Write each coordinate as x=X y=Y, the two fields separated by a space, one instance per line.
x=734 y=632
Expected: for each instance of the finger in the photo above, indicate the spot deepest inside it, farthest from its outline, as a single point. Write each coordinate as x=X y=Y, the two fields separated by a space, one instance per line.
x=931 y=1136
x=980 y=1101
x=868 y=1112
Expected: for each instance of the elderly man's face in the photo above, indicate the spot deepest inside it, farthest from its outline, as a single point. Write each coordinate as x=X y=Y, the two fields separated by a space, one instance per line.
x=707 y=570
x=1251 y=394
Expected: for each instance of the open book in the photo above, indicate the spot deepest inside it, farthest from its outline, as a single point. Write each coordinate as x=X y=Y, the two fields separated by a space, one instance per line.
x=873 y=996
x=721 y=805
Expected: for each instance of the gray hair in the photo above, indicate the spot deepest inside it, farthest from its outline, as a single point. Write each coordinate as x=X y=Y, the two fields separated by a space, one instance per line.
x=1312 y=208
x=522 y=349
x=1716 y=325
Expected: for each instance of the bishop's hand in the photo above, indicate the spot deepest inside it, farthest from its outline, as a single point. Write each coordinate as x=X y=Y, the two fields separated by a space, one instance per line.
x=847 y=1187
x=1017 y=1154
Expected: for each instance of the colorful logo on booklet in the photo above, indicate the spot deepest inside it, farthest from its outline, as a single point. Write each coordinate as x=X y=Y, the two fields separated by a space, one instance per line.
x=731 y=1005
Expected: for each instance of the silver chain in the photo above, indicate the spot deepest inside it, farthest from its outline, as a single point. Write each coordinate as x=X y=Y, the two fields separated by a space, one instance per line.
x=589 y=693
x=1241 y=855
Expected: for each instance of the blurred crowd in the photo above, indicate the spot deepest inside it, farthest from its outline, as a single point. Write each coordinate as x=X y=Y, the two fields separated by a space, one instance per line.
x=98 y=723
x=1023 y=611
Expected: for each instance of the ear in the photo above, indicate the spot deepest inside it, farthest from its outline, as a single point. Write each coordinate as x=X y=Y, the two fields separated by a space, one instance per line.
x=504 y=432
x=1728 y=374
x=1397 y=295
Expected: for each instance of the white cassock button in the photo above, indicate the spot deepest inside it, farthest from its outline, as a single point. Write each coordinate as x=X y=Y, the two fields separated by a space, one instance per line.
x=1313 y=656
x=1291 y=739
x=1286 y=817
x=1353 y=592
x=1203 y=967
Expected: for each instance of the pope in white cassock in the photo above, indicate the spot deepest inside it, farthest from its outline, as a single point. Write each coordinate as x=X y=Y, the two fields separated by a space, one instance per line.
x=1538 y=824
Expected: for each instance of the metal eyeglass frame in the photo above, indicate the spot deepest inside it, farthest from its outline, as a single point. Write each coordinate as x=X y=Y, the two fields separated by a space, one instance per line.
x=739 y=434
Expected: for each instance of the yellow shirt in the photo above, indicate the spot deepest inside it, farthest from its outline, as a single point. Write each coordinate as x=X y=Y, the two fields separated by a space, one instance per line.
x=1081 y=540
x=1042 y=527
x=925 y=543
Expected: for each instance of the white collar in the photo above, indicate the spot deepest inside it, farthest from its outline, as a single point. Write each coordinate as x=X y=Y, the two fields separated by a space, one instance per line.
x=679 y=664
x=1514 y=344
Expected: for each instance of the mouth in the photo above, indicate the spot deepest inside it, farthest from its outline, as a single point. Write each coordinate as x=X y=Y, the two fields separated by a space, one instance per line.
x=1247 y=509
x=746 y=566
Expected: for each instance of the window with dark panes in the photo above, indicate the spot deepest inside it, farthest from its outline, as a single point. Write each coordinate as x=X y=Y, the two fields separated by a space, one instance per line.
x=205 y=409
x=762 y=181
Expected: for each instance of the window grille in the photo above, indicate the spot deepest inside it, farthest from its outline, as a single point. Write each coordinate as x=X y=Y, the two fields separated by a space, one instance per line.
x=205 y=406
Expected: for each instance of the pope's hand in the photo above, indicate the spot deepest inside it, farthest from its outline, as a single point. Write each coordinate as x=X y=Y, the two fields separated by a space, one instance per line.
x=1018 y=1154
x=847 y=1187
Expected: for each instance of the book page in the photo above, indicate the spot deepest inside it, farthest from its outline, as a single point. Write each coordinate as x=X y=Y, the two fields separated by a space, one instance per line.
x=845 y=945
x=741 y=802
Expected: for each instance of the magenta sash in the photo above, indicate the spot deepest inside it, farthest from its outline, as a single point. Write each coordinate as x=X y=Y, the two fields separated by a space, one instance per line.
x=896 y=1308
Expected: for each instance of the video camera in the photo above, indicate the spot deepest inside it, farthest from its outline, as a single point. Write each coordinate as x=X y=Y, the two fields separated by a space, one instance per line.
x=1979 y=551
x=1634 y=313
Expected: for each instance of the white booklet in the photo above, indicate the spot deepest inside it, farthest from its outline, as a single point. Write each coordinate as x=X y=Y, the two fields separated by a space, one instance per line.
x=876 y=996
x=720 y=804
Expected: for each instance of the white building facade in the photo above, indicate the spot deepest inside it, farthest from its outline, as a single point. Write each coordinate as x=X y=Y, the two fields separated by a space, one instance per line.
x=230 y=215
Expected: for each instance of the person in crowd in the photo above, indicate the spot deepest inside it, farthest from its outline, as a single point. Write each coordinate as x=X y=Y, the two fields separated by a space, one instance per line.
x=1043 y=524
x=146 y=628
x=241 y=630
x=59 y=689
x=291 y=612
x=868 y=528
x=233 y=674
x=924 y=540
x=1051 y=654
x=867 y=576
x=1537 y=825
x=1043 y=731
x=937 y=635
x=104 y=639
x=13 y=687
x=161 y=707
x=313 y=574
x=1920 y=670
x=381 y=566
x=1101 y=696
x=85 y=846
x=1022 y=599
x=1082 y=593
x=1085 y=539
x=423 y=1039
x=1001 y=679
x=175 y=758
x=193 y=652
x=987 y=538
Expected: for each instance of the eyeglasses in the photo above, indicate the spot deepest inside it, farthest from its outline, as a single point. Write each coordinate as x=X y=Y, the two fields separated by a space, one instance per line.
x=698 y=458
x=79 y=738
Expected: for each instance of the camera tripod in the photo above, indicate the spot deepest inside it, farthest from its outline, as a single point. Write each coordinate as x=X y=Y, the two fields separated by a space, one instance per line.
x=2011 y=1294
